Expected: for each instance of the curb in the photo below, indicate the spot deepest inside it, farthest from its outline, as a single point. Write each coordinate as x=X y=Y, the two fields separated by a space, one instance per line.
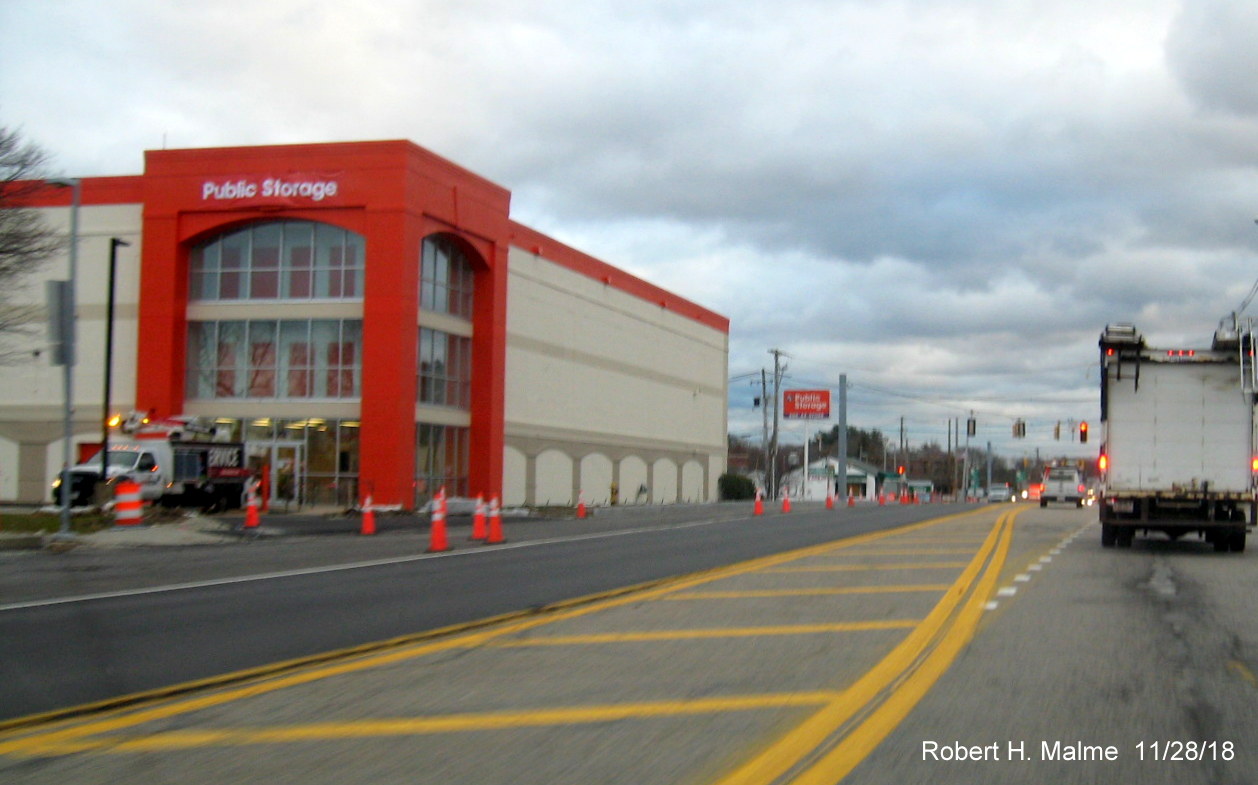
x=21 y=542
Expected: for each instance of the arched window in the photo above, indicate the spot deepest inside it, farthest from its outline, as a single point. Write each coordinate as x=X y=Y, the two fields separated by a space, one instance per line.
x=279 y=260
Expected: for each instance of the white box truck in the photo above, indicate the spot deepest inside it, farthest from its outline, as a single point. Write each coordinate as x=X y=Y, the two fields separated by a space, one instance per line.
x=1177 y=438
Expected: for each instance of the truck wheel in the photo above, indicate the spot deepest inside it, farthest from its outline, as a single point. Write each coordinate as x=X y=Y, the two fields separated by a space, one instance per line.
x=1237 y=542
x=213 y=503
x=1125 y=538
x=1043 y=502
x=1222 y=542
x=1108 y=535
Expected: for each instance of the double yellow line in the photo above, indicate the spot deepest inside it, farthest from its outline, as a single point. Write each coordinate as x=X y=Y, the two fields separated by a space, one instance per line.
x=834 y=740
x=929 y=639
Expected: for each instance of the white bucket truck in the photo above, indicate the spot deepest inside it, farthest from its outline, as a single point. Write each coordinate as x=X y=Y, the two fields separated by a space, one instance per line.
x=178 y=462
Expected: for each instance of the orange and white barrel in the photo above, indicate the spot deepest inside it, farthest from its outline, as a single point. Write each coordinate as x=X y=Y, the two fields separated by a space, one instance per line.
x=128 y=506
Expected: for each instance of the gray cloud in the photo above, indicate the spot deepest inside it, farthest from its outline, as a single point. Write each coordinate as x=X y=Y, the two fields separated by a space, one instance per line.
x=1211 y=51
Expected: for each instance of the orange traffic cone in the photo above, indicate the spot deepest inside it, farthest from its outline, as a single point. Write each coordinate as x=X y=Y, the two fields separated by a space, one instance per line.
x=581 y=504
x=478 y=519
x=252 y=519
x=786 y=501
x=495 y=523
x=437 y=541
x=829 y=501
x=759 y=508
x=369 y=517
x=851 y=500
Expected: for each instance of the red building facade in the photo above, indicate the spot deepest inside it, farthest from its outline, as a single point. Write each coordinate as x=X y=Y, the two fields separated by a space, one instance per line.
x=340 y=307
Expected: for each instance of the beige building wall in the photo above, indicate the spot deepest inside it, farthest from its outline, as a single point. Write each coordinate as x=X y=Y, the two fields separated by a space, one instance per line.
x=602 y=387
x=31 y=388
x=606 y=388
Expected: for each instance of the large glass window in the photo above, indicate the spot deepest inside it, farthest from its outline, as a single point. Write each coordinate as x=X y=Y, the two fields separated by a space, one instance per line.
x=441 y=461
x=278 y=359
x=329 y=473
x=445 y=369
x=279 y=260
x=445 y=284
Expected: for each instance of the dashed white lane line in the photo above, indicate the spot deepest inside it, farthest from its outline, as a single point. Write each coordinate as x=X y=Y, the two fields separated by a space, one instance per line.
x=1025 y=577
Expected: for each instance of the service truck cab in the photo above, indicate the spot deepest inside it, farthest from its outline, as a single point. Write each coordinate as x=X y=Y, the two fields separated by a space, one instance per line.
x=1178 y=441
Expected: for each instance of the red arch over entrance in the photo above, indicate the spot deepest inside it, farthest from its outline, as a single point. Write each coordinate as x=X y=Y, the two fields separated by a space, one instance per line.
x=394 y=194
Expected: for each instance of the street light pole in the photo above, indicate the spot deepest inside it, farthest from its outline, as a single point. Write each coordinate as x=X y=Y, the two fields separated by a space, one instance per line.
x=114 y=244
x=68 y=339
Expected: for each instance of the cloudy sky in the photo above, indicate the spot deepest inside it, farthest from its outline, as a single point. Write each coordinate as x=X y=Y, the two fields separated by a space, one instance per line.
x=944 y=199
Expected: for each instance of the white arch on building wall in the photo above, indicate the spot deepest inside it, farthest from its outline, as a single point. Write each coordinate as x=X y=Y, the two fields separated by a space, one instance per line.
x=692 y=485
x=595 y=479
x=541 y=474
x=663 y=481
x=554 y=478
x=633 y=477
x=514 y=479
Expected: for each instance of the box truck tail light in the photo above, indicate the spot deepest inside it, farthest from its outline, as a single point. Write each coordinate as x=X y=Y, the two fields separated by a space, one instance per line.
x=1082 y=488
x=1102 y=463
x=1253 y=465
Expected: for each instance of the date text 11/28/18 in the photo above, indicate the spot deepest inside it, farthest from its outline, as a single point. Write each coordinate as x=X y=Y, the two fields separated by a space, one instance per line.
x=1186 y=750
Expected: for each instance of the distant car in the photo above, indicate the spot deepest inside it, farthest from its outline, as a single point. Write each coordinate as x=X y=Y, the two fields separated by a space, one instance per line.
x=1001 y=493
x=1063 y=484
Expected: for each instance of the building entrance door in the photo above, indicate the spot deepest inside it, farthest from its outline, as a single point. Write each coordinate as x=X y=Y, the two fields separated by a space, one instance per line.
x=283 y=463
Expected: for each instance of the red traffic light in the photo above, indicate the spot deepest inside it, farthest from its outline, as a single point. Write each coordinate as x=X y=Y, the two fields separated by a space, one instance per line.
x=1083 y=432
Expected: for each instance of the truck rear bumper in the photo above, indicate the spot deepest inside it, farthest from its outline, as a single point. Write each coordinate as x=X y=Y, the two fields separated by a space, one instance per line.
x=1165 y=513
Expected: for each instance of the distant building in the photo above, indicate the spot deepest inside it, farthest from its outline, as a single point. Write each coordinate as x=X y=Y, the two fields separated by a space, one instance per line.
x=369 y=319
x=862 y=479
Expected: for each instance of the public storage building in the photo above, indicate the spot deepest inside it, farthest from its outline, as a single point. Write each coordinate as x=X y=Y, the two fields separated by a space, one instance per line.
x=368 y=319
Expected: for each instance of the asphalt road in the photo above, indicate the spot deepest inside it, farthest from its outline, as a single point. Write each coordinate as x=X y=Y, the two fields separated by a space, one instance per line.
x=1054 y=660
x=1106 y=665
x=87 y=626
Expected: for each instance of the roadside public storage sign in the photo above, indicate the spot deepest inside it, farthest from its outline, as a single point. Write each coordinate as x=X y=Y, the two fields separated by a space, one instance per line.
x=806 y=404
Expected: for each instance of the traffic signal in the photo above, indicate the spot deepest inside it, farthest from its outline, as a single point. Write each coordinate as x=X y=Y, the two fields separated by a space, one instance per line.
x=1083 y=432
x=971 y=427
x=899 y=470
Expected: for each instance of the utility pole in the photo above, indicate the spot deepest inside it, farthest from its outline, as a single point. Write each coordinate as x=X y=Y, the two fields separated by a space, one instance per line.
x=965 y=466
x=778 y=370
x=902 y=455
x=842 y=472
x=989 y=469
x=764 y=435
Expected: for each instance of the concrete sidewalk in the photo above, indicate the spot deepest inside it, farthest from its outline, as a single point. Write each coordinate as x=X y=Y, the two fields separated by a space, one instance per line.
x=193 y=529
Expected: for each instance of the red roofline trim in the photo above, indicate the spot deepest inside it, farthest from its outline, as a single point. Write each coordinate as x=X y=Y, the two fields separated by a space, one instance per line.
x=553 y=250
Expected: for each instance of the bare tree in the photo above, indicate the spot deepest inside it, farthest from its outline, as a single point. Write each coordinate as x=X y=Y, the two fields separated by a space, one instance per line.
x=26 y=241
